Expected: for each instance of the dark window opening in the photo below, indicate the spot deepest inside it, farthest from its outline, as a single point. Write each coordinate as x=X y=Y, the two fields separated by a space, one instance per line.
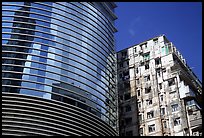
x=128 y=120
x=177 y=121
x=160 y=86
x=158 y=61
x=147 y=66
x=148 y=90
x=150 y=114
x=151 y=128
x=171 y=82
x=127 y=96
x=138 y=92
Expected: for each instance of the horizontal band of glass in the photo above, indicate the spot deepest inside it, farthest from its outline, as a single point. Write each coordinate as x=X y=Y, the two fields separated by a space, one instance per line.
x=48 y=24
x=72 y=66
x=73 y=38
x=60 y=56
x=49 y=41
x=61 y=16
x=53 y=74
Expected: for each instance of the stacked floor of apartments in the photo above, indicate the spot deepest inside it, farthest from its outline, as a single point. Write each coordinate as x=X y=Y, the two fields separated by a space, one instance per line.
x=159 y=95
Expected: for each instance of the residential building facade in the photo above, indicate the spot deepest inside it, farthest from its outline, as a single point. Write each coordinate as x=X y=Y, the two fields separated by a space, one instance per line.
x=159 y=95
x=58 y=68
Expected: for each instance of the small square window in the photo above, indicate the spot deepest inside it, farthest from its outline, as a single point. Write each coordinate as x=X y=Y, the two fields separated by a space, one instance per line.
x=171 y=82
x=127 y=96
x=148 y=101
x=177 y=121
x=174 y=107
x=147 y=78
x=150 y=114
x=151 y=128
x=157 y=61
x=148 y=90
x=147 y=66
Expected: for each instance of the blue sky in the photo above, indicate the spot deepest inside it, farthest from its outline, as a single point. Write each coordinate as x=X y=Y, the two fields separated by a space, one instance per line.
x=181 y=22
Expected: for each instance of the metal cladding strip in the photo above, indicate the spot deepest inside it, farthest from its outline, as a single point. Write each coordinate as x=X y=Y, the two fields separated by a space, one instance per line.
x=49 y=115
x=85 y=118
x=30 y=127
x=50 y=92
x=16 y=132
x=35 y=119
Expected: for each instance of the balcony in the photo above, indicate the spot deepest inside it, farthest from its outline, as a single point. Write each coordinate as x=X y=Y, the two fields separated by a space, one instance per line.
x=196 y=122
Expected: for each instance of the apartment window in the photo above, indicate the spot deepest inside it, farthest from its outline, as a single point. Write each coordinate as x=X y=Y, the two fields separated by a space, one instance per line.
x=158 y=73
x=157 y=61
x=140 y=118
x=164 y=124
x=135 y=49
x=138 y=92
x=141 y=131
x=128 y=120
x=160 y=86
x=129 y=133
x=139 y=105
x=174 y=107
x=127 y=96
x=171 y=82
x=127 y=108
x=148 y=90
x=146 y=56
x=162 y=111
x=138 y=81
x=151 y=128
x=150 y=114
x=146 y=66
x=161 y=98
x=137 y=70
x=148 y=101
x=147 y=78
x=155 y=41
x=177 y=121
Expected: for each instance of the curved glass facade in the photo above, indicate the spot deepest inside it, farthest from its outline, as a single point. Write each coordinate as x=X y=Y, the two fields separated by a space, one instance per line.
x=61 y=51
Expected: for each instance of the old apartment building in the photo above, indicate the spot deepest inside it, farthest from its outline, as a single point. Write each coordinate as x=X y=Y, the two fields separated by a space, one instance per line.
x=159 y=95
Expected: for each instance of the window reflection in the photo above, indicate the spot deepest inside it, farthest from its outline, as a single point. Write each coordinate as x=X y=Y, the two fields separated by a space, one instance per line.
x=13 y=36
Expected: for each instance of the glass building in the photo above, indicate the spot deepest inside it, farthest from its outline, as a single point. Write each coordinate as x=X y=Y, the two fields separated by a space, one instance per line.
x=58 y=68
